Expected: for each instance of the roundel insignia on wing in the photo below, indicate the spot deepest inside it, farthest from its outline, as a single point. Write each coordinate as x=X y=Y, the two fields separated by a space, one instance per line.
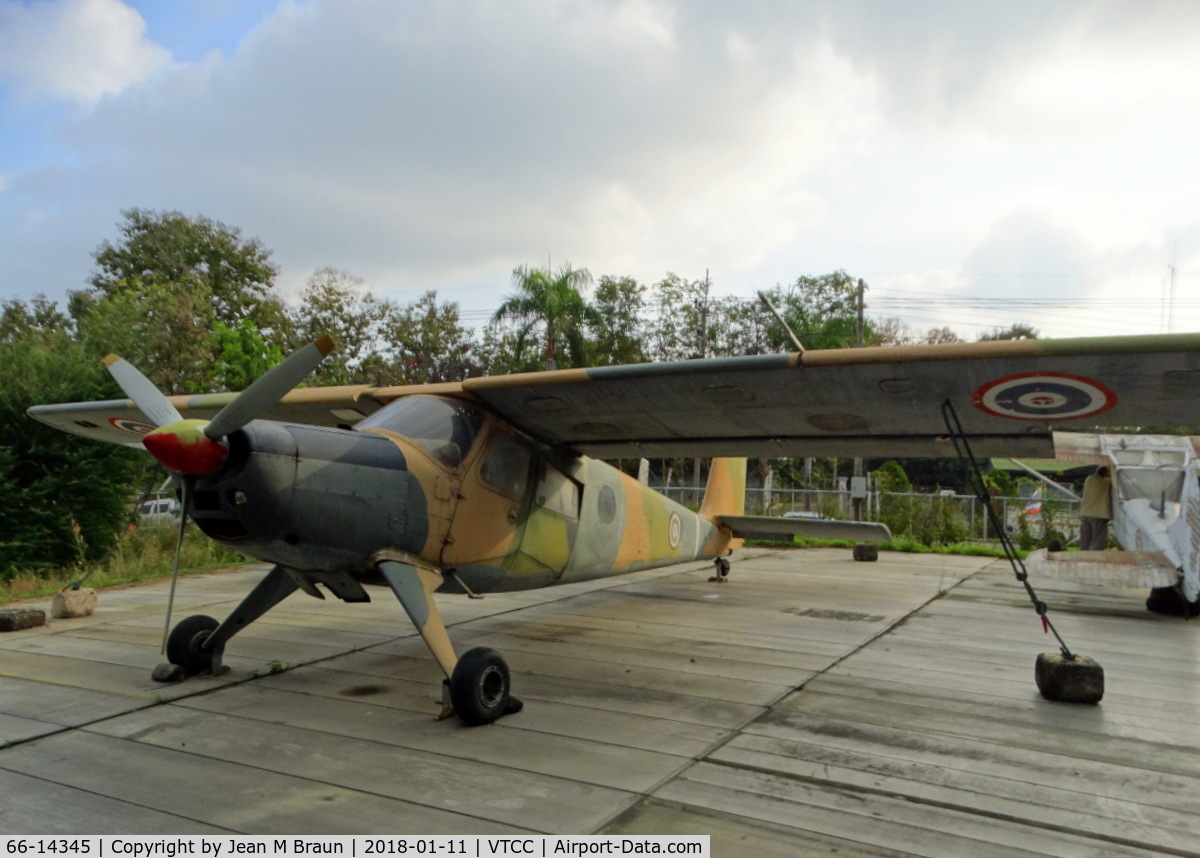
x=674 y=530
x=126 y=424
x=1044 y=396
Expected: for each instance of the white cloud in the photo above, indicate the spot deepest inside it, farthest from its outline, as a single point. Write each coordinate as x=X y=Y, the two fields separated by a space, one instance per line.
x=426 y=144
x=421 y=143
x=77 y=50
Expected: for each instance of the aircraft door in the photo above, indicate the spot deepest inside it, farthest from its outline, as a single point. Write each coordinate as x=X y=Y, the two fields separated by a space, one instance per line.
x=488 y=517
x=516 y=518
x=553 y=520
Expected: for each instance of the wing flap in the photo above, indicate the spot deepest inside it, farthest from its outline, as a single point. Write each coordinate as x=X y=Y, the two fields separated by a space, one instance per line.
x=1130 y=569
x=769 y=527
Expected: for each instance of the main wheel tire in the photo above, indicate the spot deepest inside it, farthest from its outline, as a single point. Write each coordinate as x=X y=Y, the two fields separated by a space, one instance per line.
x=1168 y=600
x=479 y=687
x=185 y=644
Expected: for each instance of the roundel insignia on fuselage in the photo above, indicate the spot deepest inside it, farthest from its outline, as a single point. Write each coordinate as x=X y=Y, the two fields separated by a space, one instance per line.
x=1044 y=396
x=674 y=530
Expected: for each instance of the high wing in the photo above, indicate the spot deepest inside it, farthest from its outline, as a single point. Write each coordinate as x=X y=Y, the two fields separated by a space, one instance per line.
x=1009 y=396
x=119 y=421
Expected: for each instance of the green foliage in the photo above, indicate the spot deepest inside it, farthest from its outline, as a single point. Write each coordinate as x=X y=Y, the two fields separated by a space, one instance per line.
x=427 y=343
x=242 y=355
x=62 y=498
x=1019 y=331
x=928 y=519
x=550 y=306
x=334 y=304
x=901 y=544
x=617 y=327
x=144 y=553
x=171 y=249
x=897 y=512
x=822 y=311
x=159 y=293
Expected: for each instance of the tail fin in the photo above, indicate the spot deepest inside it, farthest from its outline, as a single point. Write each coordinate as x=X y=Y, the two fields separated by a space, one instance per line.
x=725 y=493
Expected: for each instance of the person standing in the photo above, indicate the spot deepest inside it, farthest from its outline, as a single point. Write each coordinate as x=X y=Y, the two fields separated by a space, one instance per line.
x=1096 y=511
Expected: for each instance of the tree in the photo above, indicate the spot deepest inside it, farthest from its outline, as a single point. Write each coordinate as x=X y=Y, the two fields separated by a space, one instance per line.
x=1018 y=331
x=890 y=331
x=617 y=327
x=168 y=248
x=823 y=311
x=736 y=327
x=938 y=336
x=243 y=355
x=682 y=325
x=41 y=315
x=554 y=303
x=427 y=344
x=334 y=304
x=158 y=294
x=62 y=498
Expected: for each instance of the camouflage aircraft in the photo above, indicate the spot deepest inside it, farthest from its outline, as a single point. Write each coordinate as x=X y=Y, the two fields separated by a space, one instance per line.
x=496 y=484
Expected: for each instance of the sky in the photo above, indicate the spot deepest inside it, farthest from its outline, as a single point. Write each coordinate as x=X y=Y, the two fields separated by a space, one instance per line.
x=977 y=164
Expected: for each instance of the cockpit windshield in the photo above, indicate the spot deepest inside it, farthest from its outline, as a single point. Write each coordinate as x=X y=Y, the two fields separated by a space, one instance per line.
x=445 y=428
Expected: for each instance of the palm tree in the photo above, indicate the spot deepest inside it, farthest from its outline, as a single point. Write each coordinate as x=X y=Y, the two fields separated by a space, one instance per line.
x=553 y=300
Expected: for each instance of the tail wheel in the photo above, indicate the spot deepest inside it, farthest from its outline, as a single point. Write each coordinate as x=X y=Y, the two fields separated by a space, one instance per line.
x=479 y=687
x=185 y=646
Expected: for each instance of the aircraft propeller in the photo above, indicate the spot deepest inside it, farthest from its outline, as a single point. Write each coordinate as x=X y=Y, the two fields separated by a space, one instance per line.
x=194 y=448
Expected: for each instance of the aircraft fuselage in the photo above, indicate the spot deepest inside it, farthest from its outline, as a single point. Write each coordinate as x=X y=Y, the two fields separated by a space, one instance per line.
x=468 y=495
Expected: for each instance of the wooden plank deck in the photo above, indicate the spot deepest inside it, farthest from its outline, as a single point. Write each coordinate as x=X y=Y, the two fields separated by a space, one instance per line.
x=813 y=704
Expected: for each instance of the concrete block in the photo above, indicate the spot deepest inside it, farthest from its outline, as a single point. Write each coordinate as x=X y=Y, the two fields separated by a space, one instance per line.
x=15 y=619
x=1069 y=680
x=73 y=603
x=866 y=551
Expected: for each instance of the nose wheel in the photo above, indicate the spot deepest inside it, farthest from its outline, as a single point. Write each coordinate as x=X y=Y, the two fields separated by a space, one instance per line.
x=185 y=645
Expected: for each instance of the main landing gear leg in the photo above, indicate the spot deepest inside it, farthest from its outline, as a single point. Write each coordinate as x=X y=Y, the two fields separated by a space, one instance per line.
x=721 y=572
x=477 y=685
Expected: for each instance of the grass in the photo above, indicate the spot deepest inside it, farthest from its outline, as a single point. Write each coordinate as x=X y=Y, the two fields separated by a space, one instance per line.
x=910 y=546
x=143 y=554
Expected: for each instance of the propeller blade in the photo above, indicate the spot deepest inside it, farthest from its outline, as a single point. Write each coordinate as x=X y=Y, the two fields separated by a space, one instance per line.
x=148 y=398
x=268 y=389
x=183 y=517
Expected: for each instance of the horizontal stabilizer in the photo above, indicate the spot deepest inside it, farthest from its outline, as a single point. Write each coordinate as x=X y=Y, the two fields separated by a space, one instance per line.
x=1145 y=569
x=769 y=527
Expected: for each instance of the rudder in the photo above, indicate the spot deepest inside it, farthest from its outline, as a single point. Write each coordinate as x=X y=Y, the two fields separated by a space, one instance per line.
x=725 y=493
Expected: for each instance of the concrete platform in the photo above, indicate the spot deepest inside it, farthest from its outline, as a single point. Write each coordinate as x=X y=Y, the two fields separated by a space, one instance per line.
x=812 y=704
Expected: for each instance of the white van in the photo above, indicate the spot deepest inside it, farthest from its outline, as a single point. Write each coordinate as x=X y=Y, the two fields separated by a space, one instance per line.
x=159 y=511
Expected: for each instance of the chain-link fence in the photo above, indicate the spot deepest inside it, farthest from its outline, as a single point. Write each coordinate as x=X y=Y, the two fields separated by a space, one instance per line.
x=940 y=518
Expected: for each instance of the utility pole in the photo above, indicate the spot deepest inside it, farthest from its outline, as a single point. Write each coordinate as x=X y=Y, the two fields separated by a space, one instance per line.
x=858 y=483
x=703 y=354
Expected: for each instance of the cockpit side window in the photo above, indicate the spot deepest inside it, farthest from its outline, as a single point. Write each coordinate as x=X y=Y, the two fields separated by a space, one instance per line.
x=445 y=428
x=506 y=466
